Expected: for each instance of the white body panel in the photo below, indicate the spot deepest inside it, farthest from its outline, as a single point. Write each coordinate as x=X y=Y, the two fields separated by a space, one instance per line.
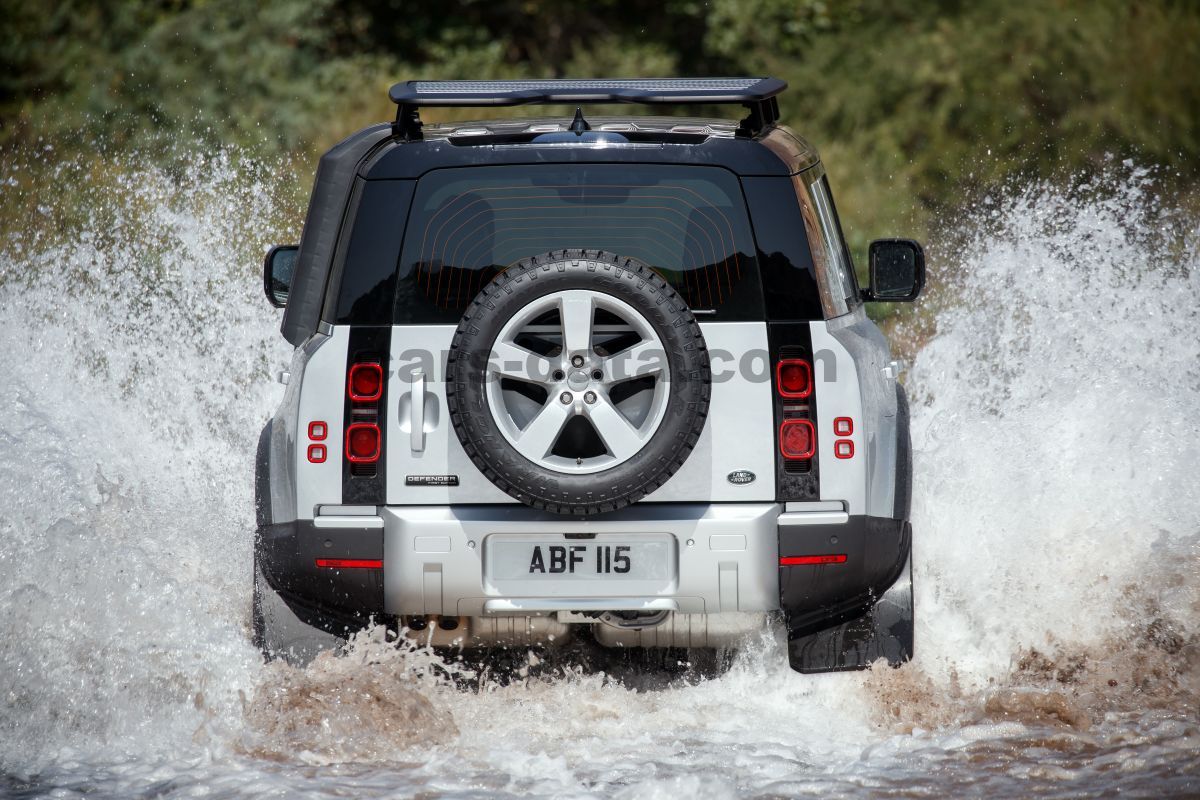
x=738 y=434
x=875 y=431
x=322 y=398
x=424 y=348
x=740 y=431
x=836 y=383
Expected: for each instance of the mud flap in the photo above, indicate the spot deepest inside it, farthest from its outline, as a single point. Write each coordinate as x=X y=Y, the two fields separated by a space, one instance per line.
x=886 y=631
x=279 y=633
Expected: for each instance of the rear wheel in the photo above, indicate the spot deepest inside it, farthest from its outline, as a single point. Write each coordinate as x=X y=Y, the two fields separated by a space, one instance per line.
x=258 y=625
x=279 y=633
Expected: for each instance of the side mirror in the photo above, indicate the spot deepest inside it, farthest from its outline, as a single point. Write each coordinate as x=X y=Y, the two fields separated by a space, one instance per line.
x=277 y=273
x=897 y=270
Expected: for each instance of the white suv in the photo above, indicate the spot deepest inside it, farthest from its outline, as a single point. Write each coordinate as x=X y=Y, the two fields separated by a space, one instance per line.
x=606 y=377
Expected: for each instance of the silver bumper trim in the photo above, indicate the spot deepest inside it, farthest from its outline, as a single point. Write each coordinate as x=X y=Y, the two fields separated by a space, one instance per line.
x=347 y=522
x=716 y=572
x=348 y=511
x=814 y=518
x=525 y=605
x=816 y=505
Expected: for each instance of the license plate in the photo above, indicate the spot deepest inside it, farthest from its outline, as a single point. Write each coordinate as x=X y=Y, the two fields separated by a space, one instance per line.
x=621 y=557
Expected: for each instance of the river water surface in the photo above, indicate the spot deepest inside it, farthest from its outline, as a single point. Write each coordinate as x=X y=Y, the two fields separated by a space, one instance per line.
x=1056 y=514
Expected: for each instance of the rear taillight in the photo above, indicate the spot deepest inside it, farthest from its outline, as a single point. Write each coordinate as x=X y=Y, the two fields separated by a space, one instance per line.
x=350 y=563
x=793 y=378
x=797 y=439
x=811 y=561
x=794 y=395
x=365 y=387
x=362 y=443
x=797 y=435
x=365 y=384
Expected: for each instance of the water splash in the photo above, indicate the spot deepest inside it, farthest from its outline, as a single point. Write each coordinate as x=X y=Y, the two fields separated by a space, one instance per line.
x=1055 y=428
x=1056 y=437
x=135 y=356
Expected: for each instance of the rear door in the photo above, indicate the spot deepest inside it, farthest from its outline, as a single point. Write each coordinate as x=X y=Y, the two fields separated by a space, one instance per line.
x=689 y=223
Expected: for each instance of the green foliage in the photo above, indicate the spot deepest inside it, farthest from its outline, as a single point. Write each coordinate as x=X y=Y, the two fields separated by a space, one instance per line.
x=218 y=69
x=916 y=107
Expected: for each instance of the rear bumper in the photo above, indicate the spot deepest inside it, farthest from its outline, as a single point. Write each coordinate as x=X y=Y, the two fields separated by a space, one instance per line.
x=726 y=554
x=814 y=597
x=727 y=557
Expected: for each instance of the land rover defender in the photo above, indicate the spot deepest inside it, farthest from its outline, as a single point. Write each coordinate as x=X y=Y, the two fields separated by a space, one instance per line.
x=593 y=376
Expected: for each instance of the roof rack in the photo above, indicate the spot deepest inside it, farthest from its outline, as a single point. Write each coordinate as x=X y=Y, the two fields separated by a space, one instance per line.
x=756 y=94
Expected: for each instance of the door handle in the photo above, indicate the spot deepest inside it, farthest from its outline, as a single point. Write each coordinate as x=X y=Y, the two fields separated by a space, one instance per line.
x=416 y=411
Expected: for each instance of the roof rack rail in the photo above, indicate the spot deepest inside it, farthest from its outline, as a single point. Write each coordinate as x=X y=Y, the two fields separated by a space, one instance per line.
x=756 y=94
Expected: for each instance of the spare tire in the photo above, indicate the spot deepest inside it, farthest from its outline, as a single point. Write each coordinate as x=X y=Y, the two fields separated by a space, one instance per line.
x=578 y=381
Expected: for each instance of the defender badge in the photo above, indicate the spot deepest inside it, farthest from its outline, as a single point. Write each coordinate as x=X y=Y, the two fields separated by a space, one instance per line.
x=741 y=476
x=431 y=480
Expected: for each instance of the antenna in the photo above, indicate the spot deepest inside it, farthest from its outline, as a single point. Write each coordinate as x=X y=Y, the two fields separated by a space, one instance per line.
x=579 y=124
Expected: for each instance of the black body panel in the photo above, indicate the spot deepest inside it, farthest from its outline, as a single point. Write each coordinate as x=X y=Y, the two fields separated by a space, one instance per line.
x=904 y=464
x=409 y=160
x=366 y=484
x=884 y=631
x=334 y=600
x=794 y=481
x=813 y=597
x=322 y=226
x=363 y=189
x=364 y=294
x=262 y=478
x=785 y=262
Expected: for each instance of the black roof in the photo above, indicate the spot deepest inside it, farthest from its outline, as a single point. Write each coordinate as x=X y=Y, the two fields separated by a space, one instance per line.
x=756 y=94
x=755 y=148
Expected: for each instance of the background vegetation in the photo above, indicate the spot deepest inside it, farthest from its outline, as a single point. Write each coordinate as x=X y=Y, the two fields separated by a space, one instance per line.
x=917 y=107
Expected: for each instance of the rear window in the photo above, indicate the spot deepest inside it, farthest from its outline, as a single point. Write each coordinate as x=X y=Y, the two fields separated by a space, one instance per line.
x=468 y=225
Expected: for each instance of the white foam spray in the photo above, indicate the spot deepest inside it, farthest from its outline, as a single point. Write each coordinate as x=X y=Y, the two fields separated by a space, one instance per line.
x=1055 y=514
x=1057 y=430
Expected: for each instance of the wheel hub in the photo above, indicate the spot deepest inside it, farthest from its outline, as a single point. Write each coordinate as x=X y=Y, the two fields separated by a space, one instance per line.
x=579 y=380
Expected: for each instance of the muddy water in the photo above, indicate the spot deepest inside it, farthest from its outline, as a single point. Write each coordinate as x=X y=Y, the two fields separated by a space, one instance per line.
x=1057 y=554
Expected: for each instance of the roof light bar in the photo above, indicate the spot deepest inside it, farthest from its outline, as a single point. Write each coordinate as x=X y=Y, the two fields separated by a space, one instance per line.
x=650 y=91
x=756 y=94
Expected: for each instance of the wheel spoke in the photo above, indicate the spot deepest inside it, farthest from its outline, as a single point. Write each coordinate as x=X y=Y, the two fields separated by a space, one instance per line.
x=644 y=358
x=620 y=437
x=539 y=436
x=512 y=361
x=576 y=312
